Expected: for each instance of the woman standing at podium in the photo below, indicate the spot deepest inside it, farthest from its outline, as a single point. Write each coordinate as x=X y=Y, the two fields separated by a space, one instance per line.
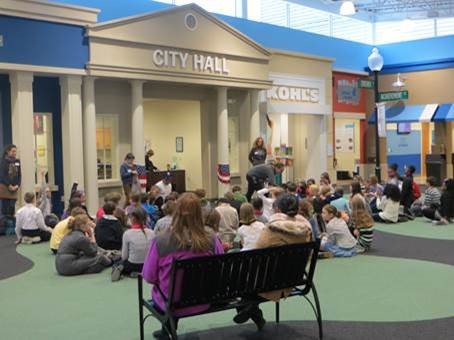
x=149 y=166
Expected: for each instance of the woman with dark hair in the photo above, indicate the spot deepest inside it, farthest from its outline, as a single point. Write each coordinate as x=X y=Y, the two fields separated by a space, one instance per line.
x=136 y=243
x=388 y=203
x=257 y=155
x=127 y=172
x=284 y=227
x=445 y=212
x=10 y=180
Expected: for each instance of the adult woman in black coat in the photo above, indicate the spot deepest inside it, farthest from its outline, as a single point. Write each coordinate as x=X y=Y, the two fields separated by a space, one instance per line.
x=10 y=180
x=257 y=155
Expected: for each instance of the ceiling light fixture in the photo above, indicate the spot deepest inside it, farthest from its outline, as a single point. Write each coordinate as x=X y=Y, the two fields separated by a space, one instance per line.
x=400 y=82
x=347 y=8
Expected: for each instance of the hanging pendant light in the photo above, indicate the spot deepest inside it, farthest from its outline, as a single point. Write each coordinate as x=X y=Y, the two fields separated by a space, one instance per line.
x=347 y=8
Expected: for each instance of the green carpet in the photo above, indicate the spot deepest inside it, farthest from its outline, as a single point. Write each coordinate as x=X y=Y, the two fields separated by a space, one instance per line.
x=364 y=288
x=419 y=228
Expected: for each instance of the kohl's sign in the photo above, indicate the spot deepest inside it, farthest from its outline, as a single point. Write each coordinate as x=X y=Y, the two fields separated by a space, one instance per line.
x=193 y=61
x=294 y=94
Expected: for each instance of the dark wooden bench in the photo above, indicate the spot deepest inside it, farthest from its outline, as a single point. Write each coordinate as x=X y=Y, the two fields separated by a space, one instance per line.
x=223 y=280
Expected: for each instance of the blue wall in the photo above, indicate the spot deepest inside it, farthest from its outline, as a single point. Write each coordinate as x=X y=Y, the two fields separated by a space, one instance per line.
x=408 y=56
x=418 y=55
x=404 y=149
x=46 y=98
x=5 y=112
x=42 y=43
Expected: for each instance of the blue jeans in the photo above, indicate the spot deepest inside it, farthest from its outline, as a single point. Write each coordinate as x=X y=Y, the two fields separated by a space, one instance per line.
x=339 y=251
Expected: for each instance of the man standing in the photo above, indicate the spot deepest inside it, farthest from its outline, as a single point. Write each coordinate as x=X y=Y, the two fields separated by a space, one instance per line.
x=258 y=175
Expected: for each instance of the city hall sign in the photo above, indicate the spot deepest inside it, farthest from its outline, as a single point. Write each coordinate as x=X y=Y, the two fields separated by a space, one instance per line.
x=196 y=62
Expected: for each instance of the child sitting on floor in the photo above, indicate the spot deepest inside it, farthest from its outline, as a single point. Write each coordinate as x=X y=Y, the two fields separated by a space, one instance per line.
x=257 y=203
x=250 y=228
x=268 y=196
x=389 y=204
x=338 y=241
x=136 y=242
x=445 y=213
x=165 y=222
x=363 y=224
x=30 y=226
x=109 y=230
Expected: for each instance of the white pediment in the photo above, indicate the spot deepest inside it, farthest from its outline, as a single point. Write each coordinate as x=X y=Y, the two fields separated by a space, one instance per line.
x=169 y=28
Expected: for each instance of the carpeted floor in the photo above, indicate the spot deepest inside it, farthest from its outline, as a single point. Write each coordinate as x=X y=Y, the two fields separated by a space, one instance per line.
x=400 y=290
x=11 y=263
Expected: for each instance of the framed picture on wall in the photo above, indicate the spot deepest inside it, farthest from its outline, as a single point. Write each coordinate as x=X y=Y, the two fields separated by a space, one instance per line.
x=179 y=144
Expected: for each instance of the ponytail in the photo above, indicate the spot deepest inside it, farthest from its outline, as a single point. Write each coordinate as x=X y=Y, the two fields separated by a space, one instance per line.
x=331 y=209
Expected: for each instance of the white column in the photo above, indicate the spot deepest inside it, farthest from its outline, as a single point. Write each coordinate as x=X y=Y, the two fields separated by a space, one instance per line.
x=284 y=140
x=223 y=136
x=72 y=141
x=255 y=116
x=22 y=125
x=137 y=147
x=90 y=157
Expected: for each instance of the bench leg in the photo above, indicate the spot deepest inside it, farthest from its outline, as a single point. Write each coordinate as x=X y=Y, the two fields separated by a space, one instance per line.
x=141 y=320
x=173 y=328
x=277 y=311
x=319 y=312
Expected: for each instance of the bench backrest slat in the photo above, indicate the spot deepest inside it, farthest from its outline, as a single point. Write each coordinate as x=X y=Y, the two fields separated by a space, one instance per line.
x=211 y=279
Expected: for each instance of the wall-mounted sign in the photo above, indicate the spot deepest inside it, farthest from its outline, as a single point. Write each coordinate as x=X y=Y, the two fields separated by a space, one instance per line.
x=195 y=61
x=295 y=94
x=348 y=92
x=392 y=96
x=366 y=84
x=381 y=121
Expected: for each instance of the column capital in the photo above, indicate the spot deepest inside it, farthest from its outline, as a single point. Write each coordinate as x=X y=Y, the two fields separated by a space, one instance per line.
x=21 y=77
x=89 y=79
x=136 y=82
x=71 y=80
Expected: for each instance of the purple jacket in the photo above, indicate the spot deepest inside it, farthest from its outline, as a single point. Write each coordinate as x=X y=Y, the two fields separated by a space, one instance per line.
x=158 y=265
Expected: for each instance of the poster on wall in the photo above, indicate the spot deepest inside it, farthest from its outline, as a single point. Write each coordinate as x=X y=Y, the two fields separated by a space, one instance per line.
x=348 y=91
x=345 y=138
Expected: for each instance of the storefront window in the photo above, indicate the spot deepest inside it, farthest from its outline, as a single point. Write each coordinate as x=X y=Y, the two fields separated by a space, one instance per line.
x=106 y=147
x=234 y=145
x=43 y=147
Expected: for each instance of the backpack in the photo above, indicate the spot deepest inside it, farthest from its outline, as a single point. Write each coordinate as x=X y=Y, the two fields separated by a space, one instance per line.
x=416 y=191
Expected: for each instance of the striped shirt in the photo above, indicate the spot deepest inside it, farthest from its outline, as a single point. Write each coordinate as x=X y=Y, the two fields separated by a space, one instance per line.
x=432 y=197
x=366 y=235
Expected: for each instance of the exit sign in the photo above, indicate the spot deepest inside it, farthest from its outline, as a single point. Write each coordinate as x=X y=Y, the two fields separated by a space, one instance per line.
x=392 y=96
x=366 y=84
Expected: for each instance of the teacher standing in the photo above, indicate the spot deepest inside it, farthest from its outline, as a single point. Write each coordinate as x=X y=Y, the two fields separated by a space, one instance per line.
x=127 y=172
x=10 y=180
x=150 y=167
x=257 y=155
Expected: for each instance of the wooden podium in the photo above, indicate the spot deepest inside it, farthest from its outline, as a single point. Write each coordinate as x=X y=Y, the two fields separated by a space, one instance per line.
x=178 y=179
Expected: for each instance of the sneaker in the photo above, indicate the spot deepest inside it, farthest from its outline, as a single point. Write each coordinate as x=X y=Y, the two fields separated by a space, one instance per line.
x=27 y=240
x=116 y=273
x=258 y=319
x=134 y=275
x=245 y=314
x=36 y=239
x=161 y=334
x=441 y=222
x=325 y=255
x=359 y=249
